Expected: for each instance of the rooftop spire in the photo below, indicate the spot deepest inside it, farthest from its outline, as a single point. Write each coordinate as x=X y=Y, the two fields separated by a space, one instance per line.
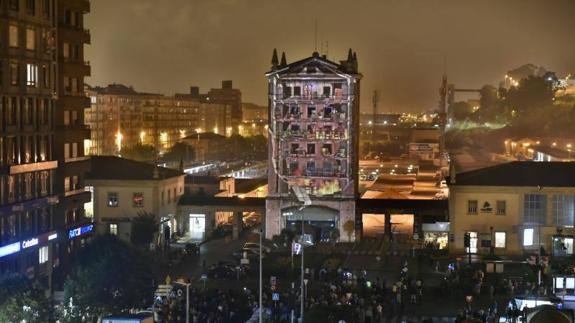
x=283 y=61
x=349 y=56
x=275 y=59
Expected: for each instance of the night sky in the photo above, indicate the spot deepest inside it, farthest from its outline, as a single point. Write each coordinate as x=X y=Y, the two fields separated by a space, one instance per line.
x=403 y=46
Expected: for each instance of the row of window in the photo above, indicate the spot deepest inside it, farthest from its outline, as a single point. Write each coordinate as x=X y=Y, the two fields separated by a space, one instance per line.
x=31 y=6
x=25 y=149
x=24 y=224
x=14 y=37
x=26 y=186
x=473 y=207
x=24 y=111
x=312 y=90
x=35 y=74
x=138 y=198
x=534 y=208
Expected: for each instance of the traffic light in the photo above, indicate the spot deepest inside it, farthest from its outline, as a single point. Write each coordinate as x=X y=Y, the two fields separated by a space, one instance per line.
x=466 y=242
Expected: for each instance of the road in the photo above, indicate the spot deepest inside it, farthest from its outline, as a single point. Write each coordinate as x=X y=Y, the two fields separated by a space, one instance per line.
x=211 y=252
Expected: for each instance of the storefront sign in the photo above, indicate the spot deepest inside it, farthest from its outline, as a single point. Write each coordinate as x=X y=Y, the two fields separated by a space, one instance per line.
x=29 y=243
x=53 y=236
x=10 y=249
x=80 y=231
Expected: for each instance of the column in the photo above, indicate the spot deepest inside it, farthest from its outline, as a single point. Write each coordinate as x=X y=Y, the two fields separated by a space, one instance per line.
x=387 y=229
x=238 y=224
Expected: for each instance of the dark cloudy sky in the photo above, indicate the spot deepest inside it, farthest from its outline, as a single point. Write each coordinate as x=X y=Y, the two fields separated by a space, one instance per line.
x=403 y=46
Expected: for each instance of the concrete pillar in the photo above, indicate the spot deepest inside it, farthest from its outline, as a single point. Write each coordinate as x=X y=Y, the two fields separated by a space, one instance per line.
x=387 y=229
x=238 y=224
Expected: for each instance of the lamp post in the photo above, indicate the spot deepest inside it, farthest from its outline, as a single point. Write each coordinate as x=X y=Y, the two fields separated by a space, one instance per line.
x=302 y=266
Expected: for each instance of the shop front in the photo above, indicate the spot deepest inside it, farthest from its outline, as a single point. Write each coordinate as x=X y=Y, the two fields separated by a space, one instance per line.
x=319 y=221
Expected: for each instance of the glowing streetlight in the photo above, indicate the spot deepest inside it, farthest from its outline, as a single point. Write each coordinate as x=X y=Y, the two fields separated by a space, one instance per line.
x=119 y=138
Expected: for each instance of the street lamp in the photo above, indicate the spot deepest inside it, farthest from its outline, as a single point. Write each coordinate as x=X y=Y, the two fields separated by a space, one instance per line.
x=187 y=299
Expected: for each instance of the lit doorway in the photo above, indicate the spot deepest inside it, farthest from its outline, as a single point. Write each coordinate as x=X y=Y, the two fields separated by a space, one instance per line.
x=197 y=226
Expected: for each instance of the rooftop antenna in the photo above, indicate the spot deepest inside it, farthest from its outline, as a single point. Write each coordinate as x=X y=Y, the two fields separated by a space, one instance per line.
x=375 y=100
x=315 y=35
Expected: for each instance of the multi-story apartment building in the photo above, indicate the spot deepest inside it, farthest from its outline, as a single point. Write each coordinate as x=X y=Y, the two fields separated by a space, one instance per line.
x=513 y=209
x=70 y=130
x=313 y=143
x=121 y=117
x=28 y=164
x=226 y=95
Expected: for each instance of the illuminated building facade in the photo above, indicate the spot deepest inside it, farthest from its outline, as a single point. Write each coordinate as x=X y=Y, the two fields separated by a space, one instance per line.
x=225 y=95
x=121 y=117
x=313 y=143
x=42 y=105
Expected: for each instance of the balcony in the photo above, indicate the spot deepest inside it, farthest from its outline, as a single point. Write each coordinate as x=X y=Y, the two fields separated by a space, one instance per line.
x=79 y=100
x=76 y=159
x=74 y=131
x=319 y=173
x=76 y=68
x=76 y=191
x=33 y=167
x=71 y=33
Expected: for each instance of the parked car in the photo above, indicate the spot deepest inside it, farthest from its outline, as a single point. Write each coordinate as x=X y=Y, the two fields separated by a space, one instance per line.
x=227 y=270
x=192 y=249
x=250 y=253
x=256 y=247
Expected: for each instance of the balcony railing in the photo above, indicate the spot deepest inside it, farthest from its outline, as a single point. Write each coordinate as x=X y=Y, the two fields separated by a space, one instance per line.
x=76 y=191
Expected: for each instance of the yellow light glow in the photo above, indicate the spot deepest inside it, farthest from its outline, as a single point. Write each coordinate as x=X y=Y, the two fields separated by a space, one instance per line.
x=164 y=137
x=215 y=129
x=554 y=144
x=253 y=125
x=182 y=133
x=119 y=138
x=142 y=136
x=198 y=130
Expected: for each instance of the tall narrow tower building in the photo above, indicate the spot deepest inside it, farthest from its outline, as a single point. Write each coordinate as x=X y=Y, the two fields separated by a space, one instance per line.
x=313 y=144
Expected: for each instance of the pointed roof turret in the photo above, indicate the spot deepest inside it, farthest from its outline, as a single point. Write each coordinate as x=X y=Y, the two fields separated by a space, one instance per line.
x=283 y=61
x=349 y=56
x=275 y=59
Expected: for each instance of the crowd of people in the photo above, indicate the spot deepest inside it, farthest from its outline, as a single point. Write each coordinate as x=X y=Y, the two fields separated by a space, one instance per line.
x=362 y=300
x=205 y=306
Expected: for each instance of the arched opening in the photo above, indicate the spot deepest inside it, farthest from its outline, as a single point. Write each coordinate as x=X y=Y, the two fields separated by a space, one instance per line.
x=319 y=221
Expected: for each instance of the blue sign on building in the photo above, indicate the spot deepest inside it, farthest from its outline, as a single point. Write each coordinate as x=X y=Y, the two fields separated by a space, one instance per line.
x=80 y=231
x=9 y=249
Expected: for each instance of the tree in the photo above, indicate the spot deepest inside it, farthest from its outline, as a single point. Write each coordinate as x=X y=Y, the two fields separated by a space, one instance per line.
x=140 y=152
x=111 y=276
x=144 y=228
x=21 y=301
x=461 y=110
x=349 y=228
x=532 y=93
